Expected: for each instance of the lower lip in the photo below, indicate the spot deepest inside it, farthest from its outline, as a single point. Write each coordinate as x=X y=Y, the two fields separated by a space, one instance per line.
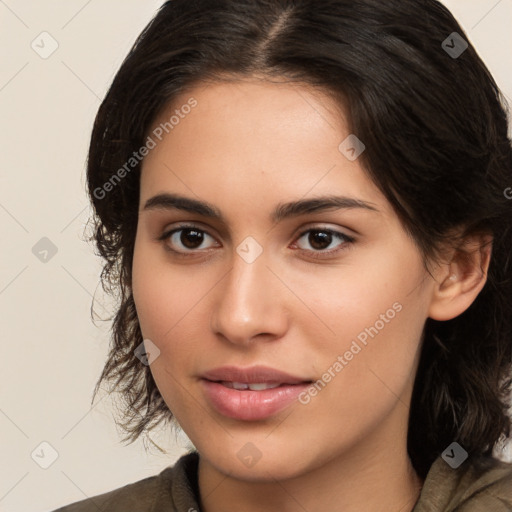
x=251 y=405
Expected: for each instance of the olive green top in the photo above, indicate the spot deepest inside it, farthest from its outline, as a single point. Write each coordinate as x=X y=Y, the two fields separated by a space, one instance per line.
x=477 y=485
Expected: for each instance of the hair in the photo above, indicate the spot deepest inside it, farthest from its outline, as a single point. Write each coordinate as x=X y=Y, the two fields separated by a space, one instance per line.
x=435 y=131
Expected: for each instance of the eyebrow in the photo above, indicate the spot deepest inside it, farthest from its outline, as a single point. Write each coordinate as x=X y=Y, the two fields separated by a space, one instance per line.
x=282 y=210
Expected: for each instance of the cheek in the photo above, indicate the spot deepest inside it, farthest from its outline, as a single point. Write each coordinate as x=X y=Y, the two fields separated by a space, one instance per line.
x=162 y=300
x=167 y=307
x=155 y=292
x=375 y=319
x=350 y=298
x=169 y=300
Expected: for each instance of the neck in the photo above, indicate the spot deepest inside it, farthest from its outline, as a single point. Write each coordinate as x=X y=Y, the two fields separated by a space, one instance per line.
x=375 y=476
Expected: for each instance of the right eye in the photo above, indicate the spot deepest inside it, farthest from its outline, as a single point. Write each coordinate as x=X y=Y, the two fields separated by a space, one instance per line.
x=185 y=240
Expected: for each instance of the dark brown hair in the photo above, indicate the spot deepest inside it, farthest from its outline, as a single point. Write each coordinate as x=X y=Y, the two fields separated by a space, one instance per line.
x=435 y=129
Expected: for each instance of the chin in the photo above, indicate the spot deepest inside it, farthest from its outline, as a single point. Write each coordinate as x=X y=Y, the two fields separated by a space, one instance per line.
x=242 y=460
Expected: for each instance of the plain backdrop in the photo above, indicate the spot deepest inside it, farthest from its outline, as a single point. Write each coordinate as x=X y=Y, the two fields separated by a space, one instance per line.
x=52 y=353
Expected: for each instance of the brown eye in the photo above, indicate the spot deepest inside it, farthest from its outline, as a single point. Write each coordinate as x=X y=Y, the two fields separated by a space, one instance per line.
x=185 y=239
x=320 y=239
x=191 y=238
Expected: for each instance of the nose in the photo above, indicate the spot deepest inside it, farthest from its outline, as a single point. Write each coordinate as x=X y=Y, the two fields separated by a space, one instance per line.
x=250 y=303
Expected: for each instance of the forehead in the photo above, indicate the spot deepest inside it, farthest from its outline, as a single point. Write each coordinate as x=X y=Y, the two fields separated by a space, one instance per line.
x=253 y=141
x=257 y=105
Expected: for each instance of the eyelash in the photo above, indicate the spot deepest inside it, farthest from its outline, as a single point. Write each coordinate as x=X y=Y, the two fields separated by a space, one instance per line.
x=348 y=240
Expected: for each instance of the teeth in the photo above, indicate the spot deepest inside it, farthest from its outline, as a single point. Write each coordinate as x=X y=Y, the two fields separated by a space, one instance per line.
x=261 y=387
x=241 y=386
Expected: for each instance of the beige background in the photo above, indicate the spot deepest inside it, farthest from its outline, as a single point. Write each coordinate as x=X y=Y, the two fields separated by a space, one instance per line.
x=52 y=353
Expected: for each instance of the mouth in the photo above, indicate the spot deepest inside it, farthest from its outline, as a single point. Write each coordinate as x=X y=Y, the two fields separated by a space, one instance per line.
x=253 y=386
x=252 y=393
x=252 y=378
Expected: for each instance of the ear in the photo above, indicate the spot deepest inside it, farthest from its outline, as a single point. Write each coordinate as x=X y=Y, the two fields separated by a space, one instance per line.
x=461 y=278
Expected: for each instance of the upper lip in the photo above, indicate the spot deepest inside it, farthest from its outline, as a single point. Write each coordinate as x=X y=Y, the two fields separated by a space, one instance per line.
x=254 y=374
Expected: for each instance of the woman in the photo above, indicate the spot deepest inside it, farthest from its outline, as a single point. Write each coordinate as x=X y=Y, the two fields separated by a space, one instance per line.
x=303 y=205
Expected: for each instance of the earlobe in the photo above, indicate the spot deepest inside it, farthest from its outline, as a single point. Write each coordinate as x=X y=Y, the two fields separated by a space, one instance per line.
x=459 y=282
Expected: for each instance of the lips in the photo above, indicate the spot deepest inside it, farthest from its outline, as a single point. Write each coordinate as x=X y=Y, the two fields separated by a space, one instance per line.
x=253 y=386
x=252 y=393
x=252 y=375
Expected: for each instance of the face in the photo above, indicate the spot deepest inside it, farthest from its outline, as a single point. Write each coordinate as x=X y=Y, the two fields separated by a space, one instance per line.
x=334 y=297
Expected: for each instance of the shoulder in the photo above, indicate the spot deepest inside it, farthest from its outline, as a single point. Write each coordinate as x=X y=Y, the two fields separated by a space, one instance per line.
x=135 y=496
x=160 y=493
x=480 y=483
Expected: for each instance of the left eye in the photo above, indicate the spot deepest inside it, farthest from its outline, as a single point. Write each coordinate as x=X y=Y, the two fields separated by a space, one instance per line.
x=320 y=239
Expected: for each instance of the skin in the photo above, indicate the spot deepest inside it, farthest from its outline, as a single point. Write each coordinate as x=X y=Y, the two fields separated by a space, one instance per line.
x=246 y=147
